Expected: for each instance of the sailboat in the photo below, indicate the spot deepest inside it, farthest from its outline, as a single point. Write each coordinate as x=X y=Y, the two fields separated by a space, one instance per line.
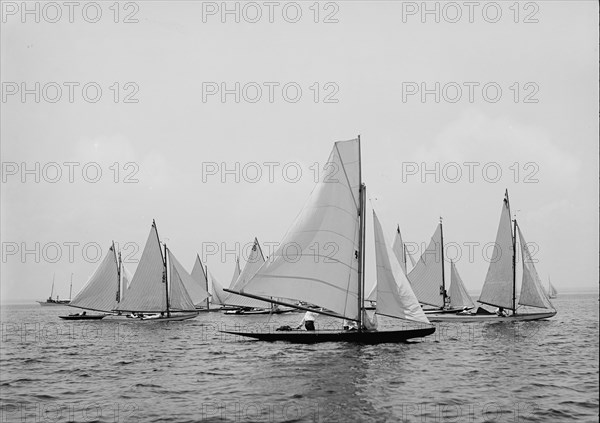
x=201 y=276
x=158 y=286
x=334 y=214
x=218 y=293
x=104 y=289
x=428 y=279
x=552 y=292
x=245 y=305
x=55 y=302
x=499 y=288
x=403 y=256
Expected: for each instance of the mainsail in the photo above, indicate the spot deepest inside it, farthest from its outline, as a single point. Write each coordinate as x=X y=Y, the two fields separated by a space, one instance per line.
x=459 y=297
x=552 y=292
x=426 y=276
x=146 y=292
x=194 y=287
x=125 y=281
x=395 y=297
x=101 y=290
x=199 y=275
x=216 y=290
x=301 y=268
x=236 y=272
x=498 y=287
x=255 y=260
x=532 y=292
x=179 y=298
x=401 y=253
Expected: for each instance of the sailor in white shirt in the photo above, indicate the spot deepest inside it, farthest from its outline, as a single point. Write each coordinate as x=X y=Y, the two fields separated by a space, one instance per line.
x=308 y=320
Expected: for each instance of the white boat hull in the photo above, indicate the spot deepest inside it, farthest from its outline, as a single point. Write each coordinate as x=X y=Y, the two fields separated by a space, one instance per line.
x=474 y=318
x=172 y=318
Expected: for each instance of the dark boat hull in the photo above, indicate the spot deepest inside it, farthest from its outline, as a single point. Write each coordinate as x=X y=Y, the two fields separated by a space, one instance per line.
x=86 y=317
x=312 y=337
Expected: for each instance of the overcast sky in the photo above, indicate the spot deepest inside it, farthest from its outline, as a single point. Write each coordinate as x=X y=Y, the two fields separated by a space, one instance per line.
x=517 y=108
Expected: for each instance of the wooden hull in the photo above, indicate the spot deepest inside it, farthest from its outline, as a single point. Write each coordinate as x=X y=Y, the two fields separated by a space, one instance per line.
x=474 y=318
x=313 y=337
x=86 y=317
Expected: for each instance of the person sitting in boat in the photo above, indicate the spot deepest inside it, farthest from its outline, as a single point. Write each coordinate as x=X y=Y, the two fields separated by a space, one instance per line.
x=308 y=320
x=501 y=312
x=83 y=314
x=349 y=325
x=369 y=323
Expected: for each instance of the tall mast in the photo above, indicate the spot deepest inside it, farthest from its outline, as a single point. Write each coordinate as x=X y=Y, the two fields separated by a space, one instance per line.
x=403 y=253
x=71 y=287
x=52 y=290
x=514 y=285
x=443 y=274
x=120 y=264
x=164 y=260
x=166 y=284
x=118 y=297
x=206 y=279
x=514 y=257
x=361 y=227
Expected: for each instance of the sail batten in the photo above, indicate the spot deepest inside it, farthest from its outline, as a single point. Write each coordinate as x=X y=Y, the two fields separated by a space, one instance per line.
x=330 y=217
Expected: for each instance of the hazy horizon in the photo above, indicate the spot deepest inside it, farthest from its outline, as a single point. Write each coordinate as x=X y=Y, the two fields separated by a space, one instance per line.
x=217 y=130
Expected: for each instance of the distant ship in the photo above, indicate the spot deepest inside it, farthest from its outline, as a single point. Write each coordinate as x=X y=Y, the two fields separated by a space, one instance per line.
x=56 y=302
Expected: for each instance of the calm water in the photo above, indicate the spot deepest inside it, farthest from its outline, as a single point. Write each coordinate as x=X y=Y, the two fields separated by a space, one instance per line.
x=58 y=371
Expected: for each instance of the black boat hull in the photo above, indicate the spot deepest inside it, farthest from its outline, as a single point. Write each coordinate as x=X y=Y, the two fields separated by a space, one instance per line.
x=312 y=337
x=86 y=317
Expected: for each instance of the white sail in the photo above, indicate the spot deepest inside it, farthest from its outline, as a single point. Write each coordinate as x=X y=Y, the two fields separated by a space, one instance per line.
x=101 y=290
x=125 y=281
x=552 y=292
x=179 y=298
x=498 y=287
x=372 y=296
x=195 y=288
x=236 y=272
x=304 y=267
x=199 y=275
x=395 y=297
x=255 y=260
x=147 y=292
x=459 y=297
x=401 y=253
x=426 y=277
x=216 y=290
x=532 y=292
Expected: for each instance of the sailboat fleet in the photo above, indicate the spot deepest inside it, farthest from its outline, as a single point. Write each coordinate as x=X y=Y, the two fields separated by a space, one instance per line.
x=406 y=290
